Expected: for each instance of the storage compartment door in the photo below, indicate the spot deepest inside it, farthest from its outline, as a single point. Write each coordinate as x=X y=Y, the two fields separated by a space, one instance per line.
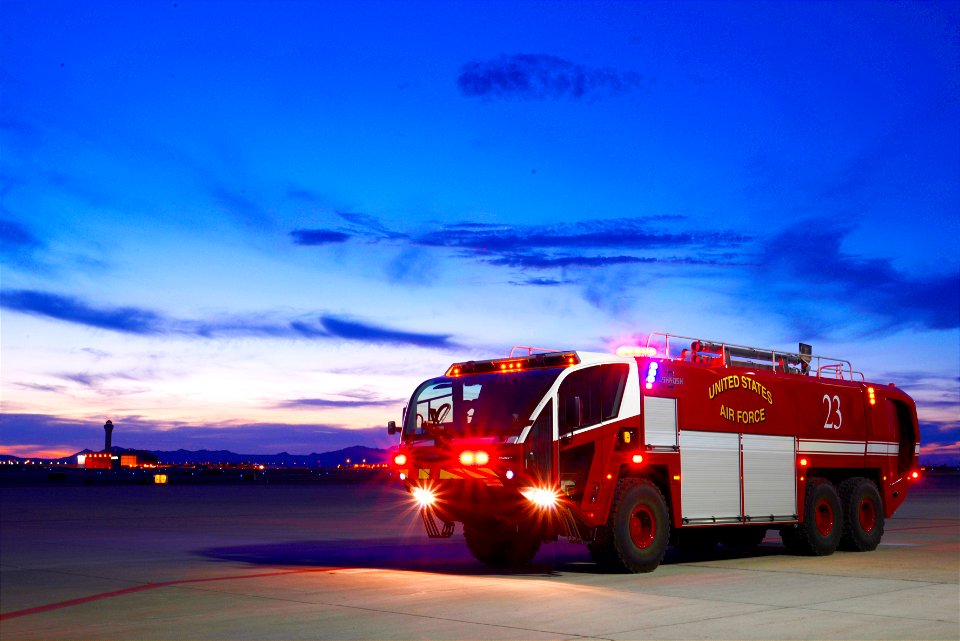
x=709 y=477
x=769 y=478
x=660 y=422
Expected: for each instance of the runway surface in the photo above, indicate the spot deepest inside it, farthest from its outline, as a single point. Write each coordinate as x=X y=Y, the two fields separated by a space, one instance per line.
x=352 y=562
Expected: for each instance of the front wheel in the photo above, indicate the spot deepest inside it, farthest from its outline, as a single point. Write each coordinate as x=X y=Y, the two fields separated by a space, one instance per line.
x=862 y=515
x=640 y=525
x=819 y=533
x=499 y=545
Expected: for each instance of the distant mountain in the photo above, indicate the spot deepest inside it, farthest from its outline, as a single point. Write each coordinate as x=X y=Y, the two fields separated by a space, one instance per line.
x=355 y=454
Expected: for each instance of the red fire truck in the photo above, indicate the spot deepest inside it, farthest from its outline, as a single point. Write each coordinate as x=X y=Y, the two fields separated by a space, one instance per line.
x=681 y=441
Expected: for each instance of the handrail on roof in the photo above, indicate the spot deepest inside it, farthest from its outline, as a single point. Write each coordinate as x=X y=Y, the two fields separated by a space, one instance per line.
x=532 y=350
x=725 y=354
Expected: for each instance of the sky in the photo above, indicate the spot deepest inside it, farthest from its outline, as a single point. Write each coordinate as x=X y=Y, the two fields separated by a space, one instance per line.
x=257 y=226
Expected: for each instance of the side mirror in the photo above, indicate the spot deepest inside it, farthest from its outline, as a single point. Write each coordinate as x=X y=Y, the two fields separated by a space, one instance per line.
x=391 y=427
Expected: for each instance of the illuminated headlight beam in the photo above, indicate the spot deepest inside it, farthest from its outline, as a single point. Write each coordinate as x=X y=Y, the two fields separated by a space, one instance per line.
x=424 y=497
x=541 y=497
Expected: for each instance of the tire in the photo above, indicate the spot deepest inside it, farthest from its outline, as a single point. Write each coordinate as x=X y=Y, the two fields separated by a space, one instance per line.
x=743 y=537
x=862 y=515
x=500 y=546
x=640 y=525
x=603 y=552
x=819 y=533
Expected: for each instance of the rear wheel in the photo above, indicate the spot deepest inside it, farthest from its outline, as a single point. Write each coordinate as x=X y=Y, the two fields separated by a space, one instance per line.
x=500 y=545
x=862 y=515
x=819 y=533
x=640 y=525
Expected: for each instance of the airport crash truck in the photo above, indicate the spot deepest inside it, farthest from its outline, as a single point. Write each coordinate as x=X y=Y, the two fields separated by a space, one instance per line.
x=682 y=441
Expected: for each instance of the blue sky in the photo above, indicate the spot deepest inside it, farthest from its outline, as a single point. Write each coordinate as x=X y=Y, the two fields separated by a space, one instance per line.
x=257 y=226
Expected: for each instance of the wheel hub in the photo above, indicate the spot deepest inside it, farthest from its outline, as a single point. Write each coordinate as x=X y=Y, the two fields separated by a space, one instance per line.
x=643 y=527
x=823 y=516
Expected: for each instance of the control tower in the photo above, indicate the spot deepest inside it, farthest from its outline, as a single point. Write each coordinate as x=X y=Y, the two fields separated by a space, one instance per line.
x=108 y=428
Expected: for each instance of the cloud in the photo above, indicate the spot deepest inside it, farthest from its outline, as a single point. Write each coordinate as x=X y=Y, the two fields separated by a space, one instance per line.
x=310 y=237
x=540 y=282
x=539 y=77
x=243 y=208
x=13 y=235
x=804 y=267
x=639 y=233
x=354 y=330
x=532 y=260
x=145 y=322
x=328 y=403
x=127 y=320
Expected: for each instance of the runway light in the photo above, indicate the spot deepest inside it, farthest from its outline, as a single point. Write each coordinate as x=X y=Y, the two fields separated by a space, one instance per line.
x=423 y=496
x=400 y=459
x=541 y=497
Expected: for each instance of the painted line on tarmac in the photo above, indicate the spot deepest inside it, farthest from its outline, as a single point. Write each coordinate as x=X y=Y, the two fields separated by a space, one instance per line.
x=146 y=586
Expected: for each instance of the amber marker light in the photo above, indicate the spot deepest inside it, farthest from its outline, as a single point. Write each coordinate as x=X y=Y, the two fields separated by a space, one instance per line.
x=676 y=477
x=872 y=396
x=803 y=462
x=400 y=459
x=637 y=458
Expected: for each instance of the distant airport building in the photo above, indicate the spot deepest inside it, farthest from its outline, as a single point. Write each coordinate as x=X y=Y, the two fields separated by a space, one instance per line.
x=115 y=458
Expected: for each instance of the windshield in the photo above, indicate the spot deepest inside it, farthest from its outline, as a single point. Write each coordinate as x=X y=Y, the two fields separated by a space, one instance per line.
x=482 y=405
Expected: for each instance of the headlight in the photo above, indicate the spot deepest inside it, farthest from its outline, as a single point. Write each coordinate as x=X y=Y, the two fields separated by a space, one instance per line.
x=541 y=497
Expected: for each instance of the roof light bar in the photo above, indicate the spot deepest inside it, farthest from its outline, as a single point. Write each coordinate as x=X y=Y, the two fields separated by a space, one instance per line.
x=510 y=365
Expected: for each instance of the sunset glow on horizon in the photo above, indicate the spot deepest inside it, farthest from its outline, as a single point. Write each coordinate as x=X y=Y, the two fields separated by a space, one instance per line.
x=258 y=226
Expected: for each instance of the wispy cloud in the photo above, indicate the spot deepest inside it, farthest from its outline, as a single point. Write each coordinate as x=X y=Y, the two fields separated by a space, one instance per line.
x=809 y=257
x=146 y=322
x=128 y=320
x=355 y=330
x=585 y=244
x=540 y=76
x=311 y=237
x=338 y=403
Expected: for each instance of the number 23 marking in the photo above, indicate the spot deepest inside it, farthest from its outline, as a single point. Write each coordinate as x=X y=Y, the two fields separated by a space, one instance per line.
x=831 y=412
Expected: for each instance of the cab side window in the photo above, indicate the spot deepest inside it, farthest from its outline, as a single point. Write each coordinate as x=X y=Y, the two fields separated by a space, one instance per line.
x=591 y=396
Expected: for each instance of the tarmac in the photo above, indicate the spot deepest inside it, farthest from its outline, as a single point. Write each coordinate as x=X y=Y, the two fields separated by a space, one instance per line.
x=351 y=561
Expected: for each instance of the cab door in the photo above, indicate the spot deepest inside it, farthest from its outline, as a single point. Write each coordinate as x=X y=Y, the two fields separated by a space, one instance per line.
x=587 y=399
